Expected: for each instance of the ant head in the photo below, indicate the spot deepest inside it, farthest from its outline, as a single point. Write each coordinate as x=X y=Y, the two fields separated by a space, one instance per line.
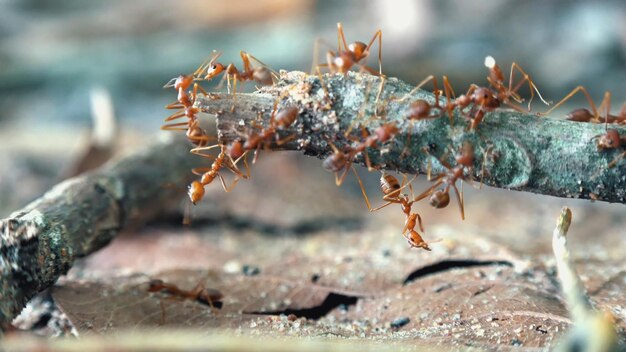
x=483 y=96
x=609 y=140
x=358 y=50
x=195 y=192
x=420 y=109
x=213 y=70
x=440 y=199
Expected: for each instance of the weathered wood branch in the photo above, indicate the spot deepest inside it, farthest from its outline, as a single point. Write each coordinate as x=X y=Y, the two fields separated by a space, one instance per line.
x=79 y=216
x=526 y=153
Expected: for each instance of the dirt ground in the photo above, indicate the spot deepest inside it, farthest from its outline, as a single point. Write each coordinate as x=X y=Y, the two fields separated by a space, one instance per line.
x=296 y=257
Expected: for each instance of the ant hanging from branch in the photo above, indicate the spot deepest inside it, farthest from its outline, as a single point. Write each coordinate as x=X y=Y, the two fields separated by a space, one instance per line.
x=349 y=55
x=195 y=133
x=223 y=159
x=392 y=189
x=440 y=198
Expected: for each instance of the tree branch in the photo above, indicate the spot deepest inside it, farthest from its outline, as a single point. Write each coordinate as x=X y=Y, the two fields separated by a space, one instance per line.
x=79 y=216
x=526 y=153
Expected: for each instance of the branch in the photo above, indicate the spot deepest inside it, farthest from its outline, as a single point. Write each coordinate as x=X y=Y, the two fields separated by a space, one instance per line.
x=79 y=216
x=527 y=153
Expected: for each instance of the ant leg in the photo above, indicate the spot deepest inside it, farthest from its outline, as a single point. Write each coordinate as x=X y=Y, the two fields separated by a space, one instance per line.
x=175 y=127
x=531 y=85
x=429 y=190
x=606 y=105
x=273 y=73
x=175 y=116
x=341 y=38
x=459 y=198
x=617 y=159
x=569 y=96
x=417 y=87
x=197 y=87
x=367 y=201
x=198 y=150
x=378 y=34
x=448 y=90
x=175 y=105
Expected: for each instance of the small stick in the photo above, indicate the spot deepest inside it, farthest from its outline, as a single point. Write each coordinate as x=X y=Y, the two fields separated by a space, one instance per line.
x=593 y=330
x=516 y=150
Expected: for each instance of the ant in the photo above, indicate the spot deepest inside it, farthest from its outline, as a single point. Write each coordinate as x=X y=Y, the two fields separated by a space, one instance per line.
x=339 y=161
x=504 y=93
x=196 y=188
x=348 y=56
x=260 y=74
x=194 y=132
x=280 y=119
x=391 y=189
x=441 y=198
x=584 y=115
x=199 y=293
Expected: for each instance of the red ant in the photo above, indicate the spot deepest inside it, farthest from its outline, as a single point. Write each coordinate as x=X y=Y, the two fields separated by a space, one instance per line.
x=348 y=56
x=260 y=74
x=196 y=188
x=441 y=198
x=195 y=133
x=504 y=93
x=584 y=115
x=340 y=161
x=199 y=293
x=280 y=119
x=391 y=189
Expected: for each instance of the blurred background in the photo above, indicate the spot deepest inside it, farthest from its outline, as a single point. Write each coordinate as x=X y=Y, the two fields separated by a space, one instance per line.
x=54 y=53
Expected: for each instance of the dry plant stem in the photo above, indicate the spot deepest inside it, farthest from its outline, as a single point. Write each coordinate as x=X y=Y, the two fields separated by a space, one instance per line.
x=527 y=153
x=593 y=330
x=40 y=242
